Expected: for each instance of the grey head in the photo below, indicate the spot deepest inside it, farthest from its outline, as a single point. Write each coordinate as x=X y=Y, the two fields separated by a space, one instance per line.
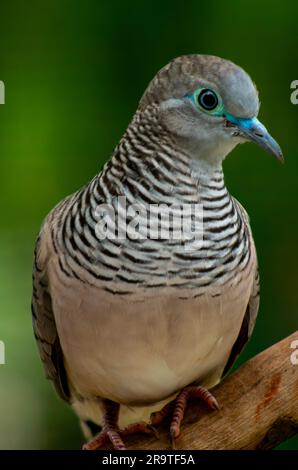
x=208 y=105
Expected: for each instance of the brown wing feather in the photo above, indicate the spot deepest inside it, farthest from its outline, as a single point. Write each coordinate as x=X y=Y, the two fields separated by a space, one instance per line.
x=45 y=328
x=247 y=324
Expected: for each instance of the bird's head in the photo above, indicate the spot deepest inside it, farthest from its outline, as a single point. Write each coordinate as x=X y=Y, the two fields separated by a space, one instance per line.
x=208 y=105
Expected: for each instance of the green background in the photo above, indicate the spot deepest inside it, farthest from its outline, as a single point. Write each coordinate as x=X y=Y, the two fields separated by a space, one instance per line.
x=74 y=72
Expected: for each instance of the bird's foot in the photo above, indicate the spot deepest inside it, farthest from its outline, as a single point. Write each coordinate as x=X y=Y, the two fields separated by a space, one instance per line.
x=178 y=406
x=114 y=435
x=111 y=432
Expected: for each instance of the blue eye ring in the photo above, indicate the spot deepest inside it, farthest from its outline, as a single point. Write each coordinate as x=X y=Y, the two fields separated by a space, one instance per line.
x=208 y=101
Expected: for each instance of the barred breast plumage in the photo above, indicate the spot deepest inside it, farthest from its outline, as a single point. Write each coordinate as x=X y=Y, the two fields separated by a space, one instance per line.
x=139 y=174
x=136 y=320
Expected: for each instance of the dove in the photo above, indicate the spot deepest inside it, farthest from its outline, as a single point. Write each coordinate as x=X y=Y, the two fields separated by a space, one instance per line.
x=130 y=328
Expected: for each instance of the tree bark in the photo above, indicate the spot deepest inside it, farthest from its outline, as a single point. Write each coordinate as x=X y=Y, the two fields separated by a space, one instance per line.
x=258 y=407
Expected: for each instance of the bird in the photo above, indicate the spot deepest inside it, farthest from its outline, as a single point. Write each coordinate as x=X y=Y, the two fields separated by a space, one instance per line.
x=130 y=328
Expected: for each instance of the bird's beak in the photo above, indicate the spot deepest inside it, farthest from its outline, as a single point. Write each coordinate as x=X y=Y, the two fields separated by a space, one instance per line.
x=253 y=130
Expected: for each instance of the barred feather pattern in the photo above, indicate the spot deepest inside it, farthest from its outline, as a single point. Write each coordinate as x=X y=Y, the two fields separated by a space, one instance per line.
x=147 y=168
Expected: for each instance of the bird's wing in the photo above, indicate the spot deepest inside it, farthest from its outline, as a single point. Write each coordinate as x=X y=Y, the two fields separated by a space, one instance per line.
x=44 y=322
x=248 y=323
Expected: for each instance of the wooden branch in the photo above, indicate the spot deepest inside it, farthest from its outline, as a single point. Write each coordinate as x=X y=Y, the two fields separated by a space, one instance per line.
x=259 y=408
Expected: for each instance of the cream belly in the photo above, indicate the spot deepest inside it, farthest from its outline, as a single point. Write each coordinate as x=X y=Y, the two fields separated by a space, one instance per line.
x=140 y=350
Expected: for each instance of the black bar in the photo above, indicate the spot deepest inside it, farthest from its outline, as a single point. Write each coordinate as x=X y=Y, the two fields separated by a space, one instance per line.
x=147 y=459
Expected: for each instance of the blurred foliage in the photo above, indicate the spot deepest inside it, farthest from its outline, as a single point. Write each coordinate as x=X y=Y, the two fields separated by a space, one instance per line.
x=74 y=72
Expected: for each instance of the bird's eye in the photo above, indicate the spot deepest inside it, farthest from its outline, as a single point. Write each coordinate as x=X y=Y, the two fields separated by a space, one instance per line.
x=207 y=99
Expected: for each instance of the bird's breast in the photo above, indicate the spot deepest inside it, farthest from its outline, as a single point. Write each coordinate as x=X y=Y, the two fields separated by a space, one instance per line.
x=140 y=319
x=143 y=347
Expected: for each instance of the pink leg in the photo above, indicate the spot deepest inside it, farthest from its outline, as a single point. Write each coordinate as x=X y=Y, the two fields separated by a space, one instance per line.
x=179 y=406
x=112 y=433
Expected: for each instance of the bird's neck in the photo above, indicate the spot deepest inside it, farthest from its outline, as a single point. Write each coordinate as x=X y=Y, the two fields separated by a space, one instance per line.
x=149 y=162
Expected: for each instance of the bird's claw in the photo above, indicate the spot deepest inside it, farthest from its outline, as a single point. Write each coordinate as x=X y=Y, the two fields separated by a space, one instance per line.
x=178 y=406
x=114 y=436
